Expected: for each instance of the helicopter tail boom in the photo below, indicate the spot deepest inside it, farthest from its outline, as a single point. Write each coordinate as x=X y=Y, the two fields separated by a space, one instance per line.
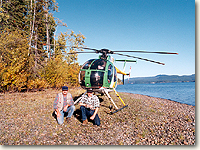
x=121 y=72
x=124 y=60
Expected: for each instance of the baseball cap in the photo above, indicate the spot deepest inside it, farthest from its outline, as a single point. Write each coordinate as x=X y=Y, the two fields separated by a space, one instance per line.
x=89 y=90
x=65 y=88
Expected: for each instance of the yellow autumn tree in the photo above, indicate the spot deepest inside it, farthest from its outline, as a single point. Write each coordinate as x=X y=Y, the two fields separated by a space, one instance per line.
x=63 y=68
x=55 y=72
x=14 y=61
x=72 y=75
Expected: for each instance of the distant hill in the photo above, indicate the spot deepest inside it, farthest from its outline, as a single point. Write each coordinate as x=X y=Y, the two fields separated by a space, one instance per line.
x=161 y=79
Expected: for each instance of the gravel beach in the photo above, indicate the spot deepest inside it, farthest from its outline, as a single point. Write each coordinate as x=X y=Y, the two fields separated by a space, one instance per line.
x=26 y=119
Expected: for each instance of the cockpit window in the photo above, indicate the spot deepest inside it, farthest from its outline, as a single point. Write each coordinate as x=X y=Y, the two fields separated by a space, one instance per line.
x=82 y=78
x=110 y=73
x=115 y=74
x=87 y=64
x=96 y=78
x=98 y=64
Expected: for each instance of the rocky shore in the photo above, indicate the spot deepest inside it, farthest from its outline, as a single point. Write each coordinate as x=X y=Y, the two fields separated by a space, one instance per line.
x=26 y=119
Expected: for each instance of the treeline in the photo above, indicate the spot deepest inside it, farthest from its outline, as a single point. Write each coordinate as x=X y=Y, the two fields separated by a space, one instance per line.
x=32 y=55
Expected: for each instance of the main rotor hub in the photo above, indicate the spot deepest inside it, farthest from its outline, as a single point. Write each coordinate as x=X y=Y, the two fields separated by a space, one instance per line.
x=104 y=53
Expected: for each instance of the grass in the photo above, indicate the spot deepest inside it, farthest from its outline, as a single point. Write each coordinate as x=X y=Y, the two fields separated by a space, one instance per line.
x=26 y=119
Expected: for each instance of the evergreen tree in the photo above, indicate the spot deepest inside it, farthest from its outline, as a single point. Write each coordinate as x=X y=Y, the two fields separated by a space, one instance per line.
x=15 y=12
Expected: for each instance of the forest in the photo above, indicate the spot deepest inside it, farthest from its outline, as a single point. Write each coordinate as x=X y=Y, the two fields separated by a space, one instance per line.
x=33 y=55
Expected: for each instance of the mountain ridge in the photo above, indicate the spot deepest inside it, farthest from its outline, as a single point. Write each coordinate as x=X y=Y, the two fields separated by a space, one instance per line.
x=162 y=78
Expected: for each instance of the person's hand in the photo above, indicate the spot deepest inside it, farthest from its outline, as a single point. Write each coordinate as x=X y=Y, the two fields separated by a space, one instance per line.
x=65 y=108
x=58 y=114
x=92 y=117
x=90 y=106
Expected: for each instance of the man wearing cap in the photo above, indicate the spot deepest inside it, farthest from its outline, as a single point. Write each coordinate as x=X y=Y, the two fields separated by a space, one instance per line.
x=89 y=107
x=63 y=104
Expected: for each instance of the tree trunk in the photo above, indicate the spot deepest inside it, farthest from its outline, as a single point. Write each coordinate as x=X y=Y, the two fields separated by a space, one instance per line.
x=33 y=23
x=36 y=52
x=47 y=30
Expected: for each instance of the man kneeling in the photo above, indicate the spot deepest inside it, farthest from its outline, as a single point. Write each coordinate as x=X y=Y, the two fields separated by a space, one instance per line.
x=89 y=107
x=64 y=104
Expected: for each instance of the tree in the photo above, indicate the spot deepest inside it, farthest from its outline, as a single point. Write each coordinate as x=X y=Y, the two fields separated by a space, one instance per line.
x=28 y=59
x=74 y=40
x=14 y=60
x=64 y=69
x=49 y=5
x=42 y=27
x=15 y=12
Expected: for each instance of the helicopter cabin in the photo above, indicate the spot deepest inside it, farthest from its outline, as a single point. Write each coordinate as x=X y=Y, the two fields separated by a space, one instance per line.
x=97 y=73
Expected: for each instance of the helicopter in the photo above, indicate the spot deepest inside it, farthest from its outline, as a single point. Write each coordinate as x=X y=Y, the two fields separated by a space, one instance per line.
x=101 y=74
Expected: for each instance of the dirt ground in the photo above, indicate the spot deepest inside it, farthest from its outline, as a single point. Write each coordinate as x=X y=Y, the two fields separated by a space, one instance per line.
x=26 y=119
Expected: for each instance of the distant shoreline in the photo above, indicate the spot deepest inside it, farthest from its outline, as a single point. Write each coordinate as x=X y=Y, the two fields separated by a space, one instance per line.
x=161 y=79
x=162 y=82
x=159 y=82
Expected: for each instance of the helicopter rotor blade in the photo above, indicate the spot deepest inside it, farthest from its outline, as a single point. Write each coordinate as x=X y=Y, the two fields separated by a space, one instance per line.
x=134 y=51
x=86 y=48
x=103 y=51
x=107 y=51
x=73 y=53
x=143 y=51
x=79 y=52
x=140 y=58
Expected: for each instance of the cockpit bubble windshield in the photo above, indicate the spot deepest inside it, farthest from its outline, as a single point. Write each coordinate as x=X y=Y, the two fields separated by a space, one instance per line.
x=98 y=64
x=87 y=64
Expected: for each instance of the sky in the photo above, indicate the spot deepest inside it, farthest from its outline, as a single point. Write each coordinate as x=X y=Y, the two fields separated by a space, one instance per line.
x=152 y=25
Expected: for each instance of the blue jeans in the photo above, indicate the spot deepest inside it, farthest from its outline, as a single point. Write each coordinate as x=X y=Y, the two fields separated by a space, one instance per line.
x=86 y=112
x=70 y=111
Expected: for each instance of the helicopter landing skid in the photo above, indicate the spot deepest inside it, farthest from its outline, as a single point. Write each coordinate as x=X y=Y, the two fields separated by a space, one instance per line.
x=79 y=99
x=117 y=109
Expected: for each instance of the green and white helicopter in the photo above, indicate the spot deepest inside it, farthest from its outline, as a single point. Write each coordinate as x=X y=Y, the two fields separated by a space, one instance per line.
x=101 y=74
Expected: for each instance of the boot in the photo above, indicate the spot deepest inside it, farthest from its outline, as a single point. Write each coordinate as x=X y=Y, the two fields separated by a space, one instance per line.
x=84 y=122
x=68 y=120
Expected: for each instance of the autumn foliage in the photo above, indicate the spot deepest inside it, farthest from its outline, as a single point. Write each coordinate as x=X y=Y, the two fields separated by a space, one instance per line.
x=32 y=56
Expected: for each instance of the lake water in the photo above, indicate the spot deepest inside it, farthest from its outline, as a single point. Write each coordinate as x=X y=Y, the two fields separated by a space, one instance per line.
x=179 y=92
